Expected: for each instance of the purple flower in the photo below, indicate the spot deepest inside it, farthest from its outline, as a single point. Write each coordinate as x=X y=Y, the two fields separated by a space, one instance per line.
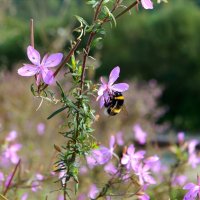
x=151 y=160
x=107 y=88
x=11 y=136
x=193 y=190
x=193 y=160
x=40 y=128
x=24 y=196
x=102 y=155
x=110 y=169
x=142 y=171
x=93 y=192
x=192 y=145
x=38 y=68
x=119 y=138
x=140 y=135
x=11 y=153
x=131 y=158
x=60 y=197
x=181 y=137
x=147 y=4
x=141 y=194
x=81 y=197
x=179 y=180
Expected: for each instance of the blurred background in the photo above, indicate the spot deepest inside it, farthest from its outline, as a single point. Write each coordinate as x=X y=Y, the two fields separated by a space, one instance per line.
x=163 y=45
x=158 y=52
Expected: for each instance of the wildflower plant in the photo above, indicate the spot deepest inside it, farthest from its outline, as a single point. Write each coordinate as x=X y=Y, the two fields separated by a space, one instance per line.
x=134 y=167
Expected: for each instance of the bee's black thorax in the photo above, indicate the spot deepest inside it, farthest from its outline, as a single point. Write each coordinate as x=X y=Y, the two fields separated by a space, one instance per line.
x=115 y=103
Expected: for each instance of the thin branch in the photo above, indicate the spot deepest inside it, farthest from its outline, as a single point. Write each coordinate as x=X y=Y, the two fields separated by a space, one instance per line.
x=32 y=32
x=98 y=10
x=11 y=178
x=64 y=61
x=127 y=9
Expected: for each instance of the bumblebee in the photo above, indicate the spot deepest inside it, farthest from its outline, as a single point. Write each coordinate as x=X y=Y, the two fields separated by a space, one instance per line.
x=114 y=104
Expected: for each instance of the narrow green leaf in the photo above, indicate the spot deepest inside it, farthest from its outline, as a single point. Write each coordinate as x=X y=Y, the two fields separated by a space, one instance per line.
x=57 y=111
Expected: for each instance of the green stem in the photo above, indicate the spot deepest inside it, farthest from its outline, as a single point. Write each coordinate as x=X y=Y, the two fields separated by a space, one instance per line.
x=127 y=9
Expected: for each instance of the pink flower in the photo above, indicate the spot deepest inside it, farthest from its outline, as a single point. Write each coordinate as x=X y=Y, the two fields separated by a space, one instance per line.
x=142 y=171
x=110 y=169
x=93 y=192
x=11 y=136
x=24 y=196
x=193 y=190
x=147 y=4
x=38 y=68
x=11 y=153
x=181 y=137
x=140 y=135
x=179 y=180
x=40 y=128
x=102 y=155
x=107 y=88
x=131 y=158
x=119 y=138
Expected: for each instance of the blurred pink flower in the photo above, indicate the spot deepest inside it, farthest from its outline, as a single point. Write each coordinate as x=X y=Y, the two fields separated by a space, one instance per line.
x=60 y=197
x=193 y=160
x=107 y=88
x=131 y=158
x=102 y=155
x=110 y=169
x=140 y=135
x=24 y=196
x=141 y=194
x=142 y=171
x=151 y=160
x=81 y=197
x=193 y=190
x=179 y=180
x=36 y=184
x=147 y=4
x=41 y=128
x=10 y=153
x=38 y=68
x=11 y=136
x=93 y=192
x=181 y=137
x=119 y=138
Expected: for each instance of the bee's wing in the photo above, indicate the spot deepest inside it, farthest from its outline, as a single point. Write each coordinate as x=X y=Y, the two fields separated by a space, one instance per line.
x=124 y=110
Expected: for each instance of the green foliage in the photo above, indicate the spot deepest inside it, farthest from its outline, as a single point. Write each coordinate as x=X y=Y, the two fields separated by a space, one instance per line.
x=162 y=45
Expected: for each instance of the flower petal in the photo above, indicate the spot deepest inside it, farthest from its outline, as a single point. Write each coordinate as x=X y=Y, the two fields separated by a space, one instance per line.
x=33 y=55
x=120 y=87
x=189 y=186
x=102 y=101
x=112 y=141
x=114 y=75
x=27 y=70
x=53 y=60
x=47 y=76
x=101 y=90
x=147 y=4
x=125 y=159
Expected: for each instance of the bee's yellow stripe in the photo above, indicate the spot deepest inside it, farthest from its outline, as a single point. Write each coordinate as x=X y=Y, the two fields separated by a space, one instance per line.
x=119 y=98
x=116 y=110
